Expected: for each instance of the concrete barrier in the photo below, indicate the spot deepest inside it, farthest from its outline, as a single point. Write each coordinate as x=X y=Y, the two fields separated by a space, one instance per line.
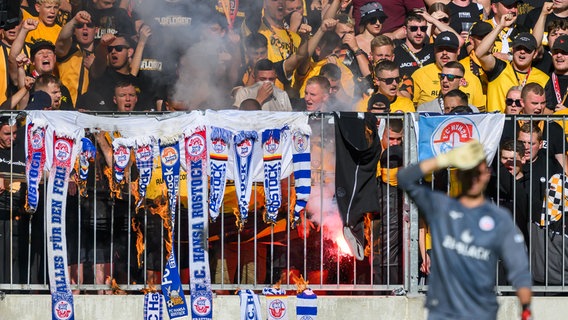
x=93 y=307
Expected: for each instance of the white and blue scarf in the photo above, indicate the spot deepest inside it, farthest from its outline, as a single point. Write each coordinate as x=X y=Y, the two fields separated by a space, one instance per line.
x=250 y=305
x=272 y=156
x=244 y=149
x=218 y=155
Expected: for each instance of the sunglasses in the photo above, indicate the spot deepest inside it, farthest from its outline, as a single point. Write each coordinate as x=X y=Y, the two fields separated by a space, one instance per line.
x=415 y=28
x=375 y=19
x=510 y=102
x=89 y=25
x=444 y=20
x=389 y=80
x=118 y=48
x=450 y=77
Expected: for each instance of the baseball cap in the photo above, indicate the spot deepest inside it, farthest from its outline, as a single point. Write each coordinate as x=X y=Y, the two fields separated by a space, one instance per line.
x=505 y=2
x=480 y=29
x=561 y=43
x=447 y=39
x=39 y=101
x=378 y=97
x=39 y=45
x=372 y=10
x=525 y=39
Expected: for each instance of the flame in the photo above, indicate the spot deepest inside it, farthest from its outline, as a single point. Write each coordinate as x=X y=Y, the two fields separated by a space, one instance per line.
x=136 y=194
x=368 y=226
x=114 y=287
x=240 y=223
x=113 y=186
x=151 y=288
x=301 y=284
x=139 y=240
x=342 y=245
x=160 y=208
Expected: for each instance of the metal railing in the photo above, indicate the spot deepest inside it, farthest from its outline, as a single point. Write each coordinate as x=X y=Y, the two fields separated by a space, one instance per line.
x=131 y=244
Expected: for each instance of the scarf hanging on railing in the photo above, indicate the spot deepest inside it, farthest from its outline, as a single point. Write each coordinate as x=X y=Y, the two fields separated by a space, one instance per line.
x=153 y=306
x=276 y=303
x=35 y=162
x=301 y=160
x=218 y=155
x=144 y=155
x=121 y=156
x=244 y=147
x=250 y=305
x=88 y=153
x=307 y=305
x=171 y=283
x=200 y=277
x=61 y=296
x=272 y=156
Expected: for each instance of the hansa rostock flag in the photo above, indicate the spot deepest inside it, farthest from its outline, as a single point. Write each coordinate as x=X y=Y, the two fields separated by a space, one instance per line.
x=441 y=133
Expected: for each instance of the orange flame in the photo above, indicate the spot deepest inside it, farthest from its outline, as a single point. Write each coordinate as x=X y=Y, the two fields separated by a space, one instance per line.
x=151 y=288
x=136 y=194
x=342 y=245
x=161 y=208
x=139 y=240
x=115 y=287
x=113 y=186
x=301 y=284
x=368 y=226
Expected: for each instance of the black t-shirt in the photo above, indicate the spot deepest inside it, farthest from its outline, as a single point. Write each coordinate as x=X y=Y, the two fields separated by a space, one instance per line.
x=14 y=156
x=551 y=98
x=407 y=64
x=458 y=15
x=103 y=89
x=532 y=17
x=112 y=20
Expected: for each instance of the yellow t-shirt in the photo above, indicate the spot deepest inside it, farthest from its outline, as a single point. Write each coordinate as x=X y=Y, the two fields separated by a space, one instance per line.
x=42 y=31
x=400 y=104
x=70 y=72
x=427 y=86
x=315 y=67
x=507 y=78
x=281 y=42
x=4 y=52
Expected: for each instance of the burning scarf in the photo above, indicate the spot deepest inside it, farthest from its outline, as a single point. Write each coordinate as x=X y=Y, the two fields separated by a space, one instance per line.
x=171 y=283
x=144 y=156
x=307 y=305
x=244 y=145
x=61 y=296
x=250 y=305
x=276 y=303
x=153 y=306
x=302 y=172
x=35 y=162
x=272 y=172
x=200 y=278
x=218 y=155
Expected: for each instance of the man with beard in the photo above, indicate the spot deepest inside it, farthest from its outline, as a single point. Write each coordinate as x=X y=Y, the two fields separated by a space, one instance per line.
x=427 y=80
x=557 y=87
x=500 y=9
x=414 y=52
x=503 y=75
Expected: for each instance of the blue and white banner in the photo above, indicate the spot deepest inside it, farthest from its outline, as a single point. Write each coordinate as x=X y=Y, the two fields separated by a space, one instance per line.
x=171 y=283
x=200 y=276
x=244 y=149
x=307 y=305
x=220 y=140
x=438 y=134
x=276 y=304
x=35 y=162
x=153 y=306
x=250 y=305
x=272 y=157
x=61 y=295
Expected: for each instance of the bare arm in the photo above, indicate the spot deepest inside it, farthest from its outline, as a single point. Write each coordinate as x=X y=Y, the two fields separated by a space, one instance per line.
x=100 y=63
x=538 y=30
x=434 y=22
x=325 y=26
x=298 y=57
x=143 y=35
x=65 y=38
x=17 y=47
x=330 y=10
x=483 y=51
x=362 y=60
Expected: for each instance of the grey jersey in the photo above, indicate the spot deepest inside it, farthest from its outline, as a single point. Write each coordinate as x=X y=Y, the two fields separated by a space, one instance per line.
x=466 y=244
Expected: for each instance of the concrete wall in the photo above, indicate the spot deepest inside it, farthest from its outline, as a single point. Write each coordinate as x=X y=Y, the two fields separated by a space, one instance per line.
x=87 y=307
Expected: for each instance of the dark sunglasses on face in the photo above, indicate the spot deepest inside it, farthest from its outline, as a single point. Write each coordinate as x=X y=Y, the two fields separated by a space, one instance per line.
x=510 y=102
x=444 y=20
x=389 y=80
x=415 y=28
x=118 y=48
x=89 y=25
x=375 y=19
x=450 y=77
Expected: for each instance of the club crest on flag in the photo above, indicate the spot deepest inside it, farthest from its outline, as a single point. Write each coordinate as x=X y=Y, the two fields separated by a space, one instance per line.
x=195 y=145
x=62 y=150
x=37 y=139
x=277 y=309
x=121 y=157
x=169 y=156
x=452 y=133
x=271 y=145
x=144 y=152
x=175 y=298
x=244 y=148
x=201 y=306
x=219 y=145
x=300 y=143
x=63 y=310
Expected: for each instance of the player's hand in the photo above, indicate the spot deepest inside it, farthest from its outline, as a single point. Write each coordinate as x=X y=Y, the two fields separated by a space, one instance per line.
x=464 y=157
